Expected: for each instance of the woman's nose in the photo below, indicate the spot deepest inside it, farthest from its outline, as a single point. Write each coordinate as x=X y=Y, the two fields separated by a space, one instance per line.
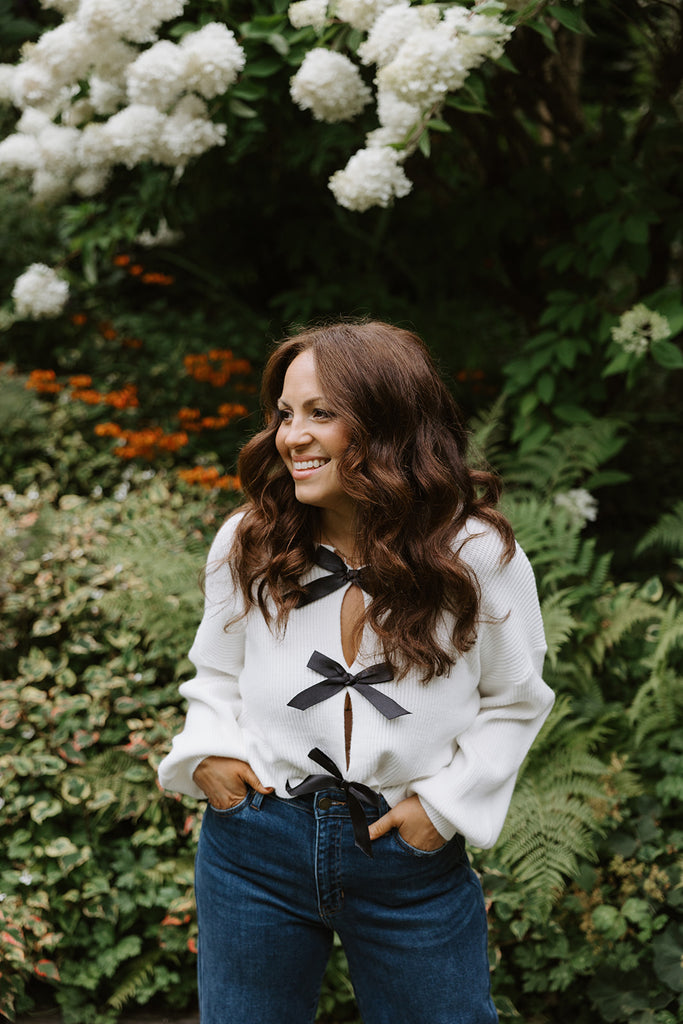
x=298 y=432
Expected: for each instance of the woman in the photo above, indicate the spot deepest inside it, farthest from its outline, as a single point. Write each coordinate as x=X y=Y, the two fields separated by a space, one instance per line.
x=368 y=684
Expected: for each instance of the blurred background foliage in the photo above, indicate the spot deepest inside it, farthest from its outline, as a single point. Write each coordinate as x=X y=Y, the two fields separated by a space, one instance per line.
x=545 y=206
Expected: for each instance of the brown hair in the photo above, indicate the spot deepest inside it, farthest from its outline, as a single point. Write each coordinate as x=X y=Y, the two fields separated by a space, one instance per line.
x=405 y=467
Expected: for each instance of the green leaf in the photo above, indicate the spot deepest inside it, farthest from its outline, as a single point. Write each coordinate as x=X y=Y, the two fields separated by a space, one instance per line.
x=263 y=68
x=240 y=109
x=438 y=126
x=668 y=956
x=667 y=354
x=424 y=144
x=569 y=17
x=636 y=230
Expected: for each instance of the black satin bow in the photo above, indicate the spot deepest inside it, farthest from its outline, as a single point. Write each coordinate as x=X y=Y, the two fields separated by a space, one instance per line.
x=356 y=795
x=340 y=575
x=337 y=678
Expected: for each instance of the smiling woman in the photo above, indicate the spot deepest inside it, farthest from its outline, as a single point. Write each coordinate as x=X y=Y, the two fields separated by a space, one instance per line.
x=368 y=684
x=311 y=439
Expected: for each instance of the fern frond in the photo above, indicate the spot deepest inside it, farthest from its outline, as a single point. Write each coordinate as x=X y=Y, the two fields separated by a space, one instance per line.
x=667 y=533
x=564 y=460
x=139 y=971
x=558 y=622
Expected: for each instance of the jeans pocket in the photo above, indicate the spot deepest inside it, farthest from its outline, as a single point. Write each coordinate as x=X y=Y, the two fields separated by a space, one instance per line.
x=235 y=809
x=414 y=851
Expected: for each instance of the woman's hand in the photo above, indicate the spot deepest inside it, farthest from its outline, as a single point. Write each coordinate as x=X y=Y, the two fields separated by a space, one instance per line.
x=225 y=780
x=410 y=818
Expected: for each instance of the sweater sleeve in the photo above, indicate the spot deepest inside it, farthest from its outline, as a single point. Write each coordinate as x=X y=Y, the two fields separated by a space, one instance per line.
x=471 y=795
x=211 y=725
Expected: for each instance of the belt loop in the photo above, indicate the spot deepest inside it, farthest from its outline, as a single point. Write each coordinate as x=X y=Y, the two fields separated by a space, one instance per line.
x=257 y=800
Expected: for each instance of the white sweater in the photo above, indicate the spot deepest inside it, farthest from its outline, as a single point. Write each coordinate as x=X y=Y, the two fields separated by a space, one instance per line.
x=460 y=747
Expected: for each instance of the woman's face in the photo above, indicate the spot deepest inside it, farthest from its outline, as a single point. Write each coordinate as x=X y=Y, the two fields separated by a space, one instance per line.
x=311 y=438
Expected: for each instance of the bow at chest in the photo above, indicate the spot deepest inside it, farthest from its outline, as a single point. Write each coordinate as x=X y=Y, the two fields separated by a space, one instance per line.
x=337 y=677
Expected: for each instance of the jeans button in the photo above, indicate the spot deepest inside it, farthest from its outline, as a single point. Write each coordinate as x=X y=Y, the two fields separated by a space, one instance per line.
x=324 y=803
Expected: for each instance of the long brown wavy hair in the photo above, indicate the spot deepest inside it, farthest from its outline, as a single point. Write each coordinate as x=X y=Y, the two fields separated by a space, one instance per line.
x=405 y=467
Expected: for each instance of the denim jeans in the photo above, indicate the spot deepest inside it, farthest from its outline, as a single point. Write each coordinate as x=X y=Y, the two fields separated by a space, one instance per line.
x=276 y=878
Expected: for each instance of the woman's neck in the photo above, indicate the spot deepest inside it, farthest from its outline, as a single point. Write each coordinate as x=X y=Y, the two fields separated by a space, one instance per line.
x=340 y=534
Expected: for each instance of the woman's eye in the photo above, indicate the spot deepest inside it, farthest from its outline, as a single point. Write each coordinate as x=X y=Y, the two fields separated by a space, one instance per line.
x=284 y=415
x=322 y=414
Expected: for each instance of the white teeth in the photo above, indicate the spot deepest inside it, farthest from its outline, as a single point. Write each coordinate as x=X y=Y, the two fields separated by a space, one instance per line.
x=311 y=464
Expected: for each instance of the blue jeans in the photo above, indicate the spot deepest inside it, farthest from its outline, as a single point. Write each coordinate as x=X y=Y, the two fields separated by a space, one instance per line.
x=275 y=878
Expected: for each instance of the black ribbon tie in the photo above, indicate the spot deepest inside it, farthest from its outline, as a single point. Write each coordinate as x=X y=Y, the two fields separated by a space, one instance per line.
x=336 y=678
x=356 y=795
x=340 y=575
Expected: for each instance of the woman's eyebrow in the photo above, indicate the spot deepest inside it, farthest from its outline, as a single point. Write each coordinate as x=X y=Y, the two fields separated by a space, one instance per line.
x=309 y=403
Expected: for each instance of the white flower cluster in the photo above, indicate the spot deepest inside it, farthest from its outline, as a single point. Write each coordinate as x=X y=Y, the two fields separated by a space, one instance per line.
x=638 y=328
x=330 y=86
x=39 y=292
x=372 y=177
x=421 y=53
x=153 y=98
x=308 y=13
x=579 y=503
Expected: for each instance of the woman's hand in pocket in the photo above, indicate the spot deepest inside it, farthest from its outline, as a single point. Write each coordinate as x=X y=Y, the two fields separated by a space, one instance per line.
x=225 y=781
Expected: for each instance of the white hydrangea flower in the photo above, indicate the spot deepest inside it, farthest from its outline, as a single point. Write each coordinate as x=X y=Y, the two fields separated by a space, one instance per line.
x=111 y=57
x=58 y=147
x=214 y=59
x=33 y=121
x=187 y=133
x=397 y=119
x=427 y=66
x=330 y=86
x=134 y=134
x=307 y=13
x=66 y=51
x=94 y=148
x=481 y=36
x=106 y=97
x=393 y=28
x=91 y=181
x=362 y=14
x=372 y=177
x=49 y=186
x=78 y=113
x=579 y=503
x=639 y=327
x=156 y=76
x=39 y=292
x=18 y=153
x=32 y=85
x=134 y=20
x=7 y=72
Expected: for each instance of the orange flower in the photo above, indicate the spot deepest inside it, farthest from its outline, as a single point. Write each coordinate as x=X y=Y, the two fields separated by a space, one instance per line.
x=136 y=270
x=192 y=945
x=87 y=395
x=82 y=380
x=215 y=422
x=121 y=261
x=44 y=382
x=156 y=278
x=209 y=478
x=232 y=409
x=108 y=430
x=78 y=319
x=107 y=330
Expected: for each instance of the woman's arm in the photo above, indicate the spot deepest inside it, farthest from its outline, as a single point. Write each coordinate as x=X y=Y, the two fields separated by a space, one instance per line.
x=211 y=726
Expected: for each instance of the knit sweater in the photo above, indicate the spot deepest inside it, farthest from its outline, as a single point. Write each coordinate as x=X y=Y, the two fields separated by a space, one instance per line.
x=460 y=746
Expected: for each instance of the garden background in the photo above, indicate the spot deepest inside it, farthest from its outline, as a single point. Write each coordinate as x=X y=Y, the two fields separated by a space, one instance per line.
x=165 y=215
